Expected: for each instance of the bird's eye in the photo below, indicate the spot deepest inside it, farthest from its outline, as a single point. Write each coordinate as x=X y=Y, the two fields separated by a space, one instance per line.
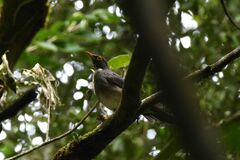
x=99 y=58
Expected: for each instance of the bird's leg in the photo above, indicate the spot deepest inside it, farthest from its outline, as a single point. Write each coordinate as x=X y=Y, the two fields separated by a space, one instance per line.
x=102 y=114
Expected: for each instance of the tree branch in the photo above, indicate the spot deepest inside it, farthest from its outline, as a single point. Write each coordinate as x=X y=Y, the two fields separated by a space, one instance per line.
x=210 y=70
x=19 y=22
x=84 y=148
x=195 y=76
x=56 y=138
x=13 y=109
x=234 y=117
x=177 y=93
x=228 y=15
x=91 y=144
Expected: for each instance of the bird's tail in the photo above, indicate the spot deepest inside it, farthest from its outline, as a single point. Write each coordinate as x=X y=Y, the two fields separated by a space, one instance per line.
x=159 y=113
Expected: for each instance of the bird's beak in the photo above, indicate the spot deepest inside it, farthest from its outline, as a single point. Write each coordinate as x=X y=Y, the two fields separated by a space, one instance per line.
x=89 y=53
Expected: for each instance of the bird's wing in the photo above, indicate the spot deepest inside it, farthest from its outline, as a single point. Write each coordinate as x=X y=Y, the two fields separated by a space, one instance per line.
x=114 y=78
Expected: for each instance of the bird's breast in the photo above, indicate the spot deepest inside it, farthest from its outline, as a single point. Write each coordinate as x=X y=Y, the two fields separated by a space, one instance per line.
x=108 y=94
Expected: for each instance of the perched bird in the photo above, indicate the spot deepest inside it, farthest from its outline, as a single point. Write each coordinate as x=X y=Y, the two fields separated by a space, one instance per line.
x=107 y=84
x=108 y=88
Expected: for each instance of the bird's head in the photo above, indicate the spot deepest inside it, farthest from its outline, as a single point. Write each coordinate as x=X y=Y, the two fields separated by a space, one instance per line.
x=98 y=61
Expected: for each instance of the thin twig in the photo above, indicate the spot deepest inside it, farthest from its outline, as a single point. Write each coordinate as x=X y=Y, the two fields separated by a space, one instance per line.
x=228 y=15
x=235 y=116
x=48 y=124
x=210 y=70
x=195 y=76
x=56 y=138
x=216 y=67
x=91 y=144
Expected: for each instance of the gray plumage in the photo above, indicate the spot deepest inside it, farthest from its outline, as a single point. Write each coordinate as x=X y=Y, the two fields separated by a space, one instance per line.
x=108 y=87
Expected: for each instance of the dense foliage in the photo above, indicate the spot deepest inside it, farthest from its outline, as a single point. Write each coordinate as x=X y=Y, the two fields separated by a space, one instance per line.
x=199 y=31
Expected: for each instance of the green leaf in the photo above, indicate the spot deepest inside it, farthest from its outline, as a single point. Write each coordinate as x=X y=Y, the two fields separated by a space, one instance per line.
x=77 y=16
x=119 y=61
x=102 y=15
x=231 y=133
x=47 y=46
x=73 y=47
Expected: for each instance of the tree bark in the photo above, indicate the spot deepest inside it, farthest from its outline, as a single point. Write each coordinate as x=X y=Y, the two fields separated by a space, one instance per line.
x=20 y=21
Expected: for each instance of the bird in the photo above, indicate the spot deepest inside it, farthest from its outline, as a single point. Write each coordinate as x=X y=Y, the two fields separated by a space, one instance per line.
x=107 y=84
x=108 y=87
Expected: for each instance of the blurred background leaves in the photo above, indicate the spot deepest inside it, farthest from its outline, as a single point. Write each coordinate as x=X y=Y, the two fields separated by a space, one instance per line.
x=199 y=31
